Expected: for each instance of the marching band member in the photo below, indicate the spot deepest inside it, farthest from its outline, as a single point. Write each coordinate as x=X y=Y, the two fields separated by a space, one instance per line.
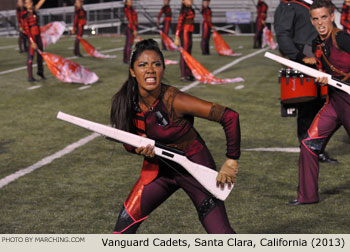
x=146 y=106
x=260 y=22
x=130 y=31
x=22 y=38
x=345 y=16
x=332 y=55
x=166 y=10
x=32 y=30
x=206 y=27
x=294 y=33
x=78 y=26
x=184 y=32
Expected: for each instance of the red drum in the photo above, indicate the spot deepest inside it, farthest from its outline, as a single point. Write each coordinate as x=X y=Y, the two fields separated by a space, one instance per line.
x=295 y=87
x=323 y=92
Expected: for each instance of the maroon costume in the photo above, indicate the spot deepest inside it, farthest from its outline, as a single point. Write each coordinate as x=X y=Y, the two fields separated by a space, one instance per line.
x=160 y=179
x=166 y=10
x=32 y=30
x=22 y=38
x=79 y=22
x=185 y=29
x=131 y=15
x=345 y=18
x=260 y=18
x=206 y=30
x=333 y=56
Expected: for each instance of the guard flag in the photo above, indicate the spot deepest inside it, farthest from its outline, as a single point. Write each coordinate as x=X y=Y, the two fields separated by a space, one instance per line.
x=202 y=74
x=51 y=32
x=268 y=39
x=221 y=46
x=89 y=49
x=68 y=71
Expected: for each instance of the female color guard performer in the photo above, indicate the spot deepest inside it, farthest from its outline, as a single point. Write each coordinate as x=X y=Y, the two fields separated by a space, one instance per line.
x=166 y=10
x=146 y=106
x=184 y=32
x=206 y=27
x=32 y=30
x=130 y=31
x=78 y=26
x=345 y=16
x=22 y=38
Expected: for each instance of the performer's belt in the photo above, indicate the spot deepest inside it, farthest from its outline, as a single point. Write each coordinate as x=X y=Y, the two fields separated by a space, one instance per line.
x=189 y=22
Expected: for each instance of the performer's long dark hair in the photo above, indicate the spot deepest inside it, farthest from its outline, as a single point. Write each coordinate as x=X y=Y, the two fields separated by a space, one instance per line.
x=125 y=101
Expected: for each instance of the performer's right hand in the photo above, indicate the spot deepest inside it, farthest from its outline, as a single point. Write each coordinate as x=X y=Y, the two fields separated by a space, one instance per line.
x=135 y=33
x=177 y=41
x=73 y=31
x=34 y=46
x=309 y=60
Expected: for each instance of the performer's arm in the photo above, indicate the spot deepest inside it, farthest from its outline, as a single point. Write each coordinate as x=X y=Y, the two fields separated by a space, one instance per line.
x=343 y=41
x=283 y=23
x=343 y=20
x=179 y=28
x=39 y=4
x=159 y=16
x=76 y=20
x=185 y=104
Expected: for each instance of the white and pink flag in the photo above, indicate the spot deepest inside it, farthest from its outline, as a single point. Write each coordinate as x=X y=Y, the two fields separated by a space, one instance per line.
x=51 y=32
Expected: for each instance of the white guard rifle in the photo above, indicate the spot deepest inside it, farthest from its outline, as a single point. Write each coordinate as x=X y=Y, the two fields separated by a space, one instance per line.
x=310 y=71
x=204 y=175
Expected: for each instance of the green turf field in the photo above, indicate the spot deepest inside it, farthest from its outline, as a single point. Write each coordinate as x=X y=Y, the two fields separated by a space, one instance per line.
x=83 y=191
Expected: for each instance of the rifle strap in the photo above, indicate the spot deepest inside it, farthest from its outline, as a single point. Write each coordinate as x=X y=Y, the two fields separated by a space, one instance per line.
x=332 y=67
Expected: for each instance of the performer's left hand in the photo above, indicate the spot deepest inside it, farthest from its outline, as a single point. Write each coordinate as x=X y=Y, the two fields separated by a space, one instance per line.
x=227 y=173
x=322 y=80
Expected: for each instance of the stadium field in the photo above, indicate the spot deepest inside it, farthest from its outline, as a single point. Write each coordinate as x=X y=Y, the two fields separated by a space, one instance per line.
x=82 y=190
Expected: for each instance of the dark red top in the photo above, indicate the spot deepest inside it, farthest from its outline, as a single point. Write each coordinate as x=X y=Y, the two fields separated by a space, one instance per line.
x=166 y=10
x=131 y=15
x=30 y=22
x=79 y=17
x=185 y=21
x=262 y=10
x=206 y=13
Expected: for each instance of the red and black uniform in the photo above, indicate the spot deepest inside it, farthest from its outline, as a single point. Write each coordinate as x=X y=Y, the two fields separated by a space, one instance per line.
x=32 y=30
x=160 y=179
x=22 y=38
x=79 y=22
x=333 y=54
x=185 y=29
x=206 y=29
x=166 y=10
x=345 y=18
x=260 y=19
x=131 y=15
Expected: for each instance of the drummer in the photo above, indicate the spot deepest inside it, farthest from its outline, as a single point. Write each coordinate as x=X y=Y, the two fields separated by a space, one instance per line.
x=294 y=33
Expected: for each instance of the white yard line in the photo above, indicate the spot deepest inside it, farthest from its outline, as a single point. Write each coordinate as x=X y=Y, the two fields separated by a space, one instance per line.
x=34 y=87
x=84 y=87
x=47 y=160
x=85 y=140
x=7 y=47
x=275 y=149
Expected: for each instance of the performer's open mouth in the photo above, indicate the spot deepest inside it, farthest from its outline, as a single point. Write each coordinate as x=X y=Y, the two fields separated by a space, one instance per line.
x=151 y=80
